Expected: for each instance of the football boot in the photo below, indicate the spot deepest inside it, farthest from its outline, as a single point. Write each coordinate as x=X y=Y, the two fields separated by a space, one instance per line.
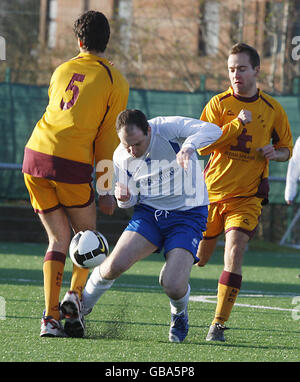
x=216 y=332
x=179 y=327
x=51 y=327
x=71 y=309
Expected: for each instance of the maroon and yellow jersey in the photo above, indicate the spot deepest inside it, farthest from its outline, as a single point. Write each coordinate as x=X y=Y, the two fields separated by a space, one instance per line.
x=77 y=130
x=235 y=167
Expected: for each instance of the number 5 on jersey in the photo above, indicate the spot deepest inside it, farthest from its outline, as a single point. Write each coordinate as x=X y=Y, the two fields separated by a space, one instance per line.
x=74 y=89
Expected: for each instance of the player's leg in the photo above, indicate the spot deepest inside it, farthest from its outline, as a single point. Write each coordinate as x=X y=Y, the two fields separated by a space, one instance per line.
x=58 y=230
x=235 y=244
x=241 y=222
x=130 y=248
x=174 y=278
x=79 y=203
x=44 y=201
x=231 y=278
x=175 y=274
x=78 y=200
x=183 y=231
x=229 y=283
x=81 y=219
x=214 y=227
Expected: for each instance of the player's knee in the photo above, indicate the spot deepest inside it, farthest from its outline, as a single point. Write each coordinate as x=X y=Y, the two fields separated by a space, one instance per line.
x=60 y=242
x=174 y=292
x=111 y=268
x=173 y=288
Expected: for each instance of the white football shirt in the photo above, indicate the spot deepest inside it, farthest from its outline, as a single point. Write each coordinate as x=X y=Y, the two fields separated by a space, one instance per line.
x=155 y=179
x=293 y=173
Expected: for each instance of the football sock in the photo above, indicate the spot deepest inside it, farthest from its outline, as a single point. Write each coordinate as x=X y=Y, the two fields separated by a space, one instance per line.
x=179 y=306
x=79 y=277
x=53 y=269
x=94 y=289
x=228 y=288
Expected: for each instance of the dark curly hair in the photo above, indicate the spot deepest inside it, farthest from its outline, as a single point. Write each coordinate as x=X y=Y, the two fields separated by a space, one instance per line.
x=92 y=28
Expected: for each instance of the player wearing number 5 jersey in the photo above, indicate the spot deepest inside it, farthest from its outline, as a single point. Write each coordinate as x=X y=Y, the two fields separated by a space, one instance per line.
x=85 y=96
x=237 y=172
x=76 y=132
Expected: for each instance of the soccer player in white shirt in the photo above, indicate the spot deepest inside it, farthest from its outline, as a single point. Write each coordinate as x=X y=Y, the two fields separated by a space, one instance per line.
x=293 y=174
x=157 y=172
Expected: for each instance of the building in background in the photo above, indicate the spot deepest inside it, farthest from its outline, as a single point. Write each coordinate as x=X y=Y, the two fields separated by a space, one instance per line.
x=178 y=44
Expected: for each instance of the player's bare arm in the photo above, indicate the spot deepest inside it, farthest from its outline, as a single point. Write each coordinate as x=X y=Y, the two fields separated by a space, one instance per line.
x=279 y=155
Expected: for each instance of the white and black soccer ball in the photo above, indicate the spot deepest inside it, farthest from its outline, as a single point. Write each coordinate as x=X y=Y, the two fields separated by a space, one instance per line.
x=88 y=249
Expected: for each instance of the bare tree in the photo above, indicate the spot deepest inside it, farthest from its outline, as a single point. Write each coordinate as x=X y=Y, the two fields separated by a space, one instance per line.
x=19 y=21
x=167 y=45
x=282 y=53
x=161 y=50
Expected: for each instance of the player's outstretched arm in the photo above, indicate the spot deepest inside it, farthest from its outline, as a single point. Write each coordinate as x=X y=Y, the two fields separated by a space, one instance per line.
x=229 y=132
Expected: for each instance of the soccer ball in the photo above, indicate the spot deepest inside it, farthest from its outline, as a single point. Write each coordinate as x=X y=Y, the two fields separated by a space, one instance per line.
x=88 y=249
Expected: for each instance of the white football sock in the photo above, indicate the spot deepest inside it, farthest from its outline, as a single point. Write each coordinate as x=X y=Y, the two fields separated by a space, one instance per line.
x=179 y=306
x=94 y=289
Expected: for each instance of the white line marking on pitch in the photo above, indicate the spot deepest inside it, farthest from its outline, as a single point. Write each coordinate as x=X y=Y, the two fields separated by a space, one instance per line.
x=204 y=299
x=207 y=299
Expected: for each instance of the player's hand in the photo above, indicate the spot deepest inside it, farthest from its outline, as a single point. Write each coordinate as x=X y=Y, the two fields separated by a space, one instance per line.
x=245 y=116
x=183 y=156
x=268 y=152
x=122 y=192
x=289 y=202
x=107 y=204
